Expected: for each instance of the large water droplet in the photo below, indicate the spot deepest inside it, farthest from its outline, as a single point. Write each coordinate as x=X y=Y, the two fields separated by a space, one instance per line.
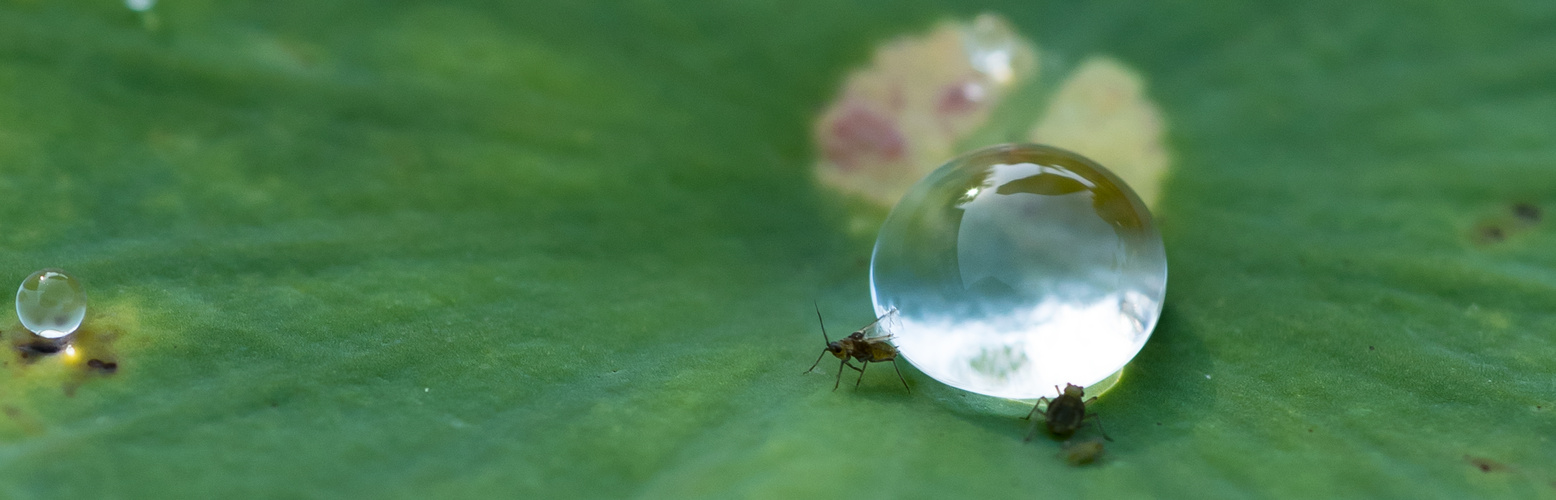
x=1017 y=268
x=50 y=303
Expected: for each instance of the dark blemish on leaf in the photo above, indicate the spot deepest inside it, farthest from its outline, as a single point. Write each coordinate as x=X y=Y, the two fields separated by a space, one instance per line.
x=1486 y=464
x=1158 y=423
x=1371 y=348
x=1526 y=212
x=1310 y=430
x=103 y=367
x=1491 y=233
x=32 y=348
x=273 y=404
x=28 y=423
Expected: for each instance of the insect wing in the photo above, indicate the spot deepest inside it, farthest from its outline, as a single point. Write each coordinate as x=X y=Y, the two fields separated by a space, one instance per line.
x=882 y=328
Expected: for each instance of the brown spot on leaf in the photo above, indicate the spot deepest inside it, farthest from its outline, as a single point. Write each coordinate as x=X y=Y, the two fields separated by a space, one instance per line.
x=103 y=367
x=1490 y=233
x=1526 y=212
x=28 y=423
x=1486 y=464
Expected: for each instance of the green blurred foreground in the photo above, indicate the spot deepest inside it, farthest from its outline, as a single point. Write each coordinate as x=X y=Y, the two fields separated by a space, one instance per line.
x=471 y=249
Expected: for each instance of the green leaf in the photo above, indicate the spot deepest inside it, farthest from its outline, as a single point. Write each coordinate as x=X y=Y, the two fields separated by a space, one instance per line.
x=553 y=249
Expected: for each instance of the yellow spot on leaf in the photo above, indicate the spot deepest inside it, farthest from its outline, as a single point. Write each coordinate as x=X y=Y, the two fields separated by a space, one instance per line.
x=1103 y=113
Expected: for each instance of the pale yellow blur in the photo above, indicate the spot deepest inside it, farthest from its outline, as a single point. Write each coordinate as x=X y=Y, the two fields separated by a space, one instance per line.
x=1102 y=112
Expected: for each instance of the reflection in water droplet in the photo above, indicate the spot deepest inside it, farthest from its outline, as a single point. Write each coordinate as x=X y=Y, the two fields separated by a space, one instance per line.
x=1018 y=268
x=50 y=303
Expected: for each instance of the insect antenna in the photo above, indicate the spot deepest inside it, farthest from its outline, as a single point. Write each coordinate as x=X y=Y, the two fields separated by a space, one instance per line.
x=823 y=323
x=823 y=337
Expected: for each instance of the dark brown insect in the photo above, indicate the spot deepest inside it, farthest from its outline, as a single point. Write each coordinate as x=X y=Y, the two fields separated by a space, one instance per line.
x=866 y=345
x=1066 y=413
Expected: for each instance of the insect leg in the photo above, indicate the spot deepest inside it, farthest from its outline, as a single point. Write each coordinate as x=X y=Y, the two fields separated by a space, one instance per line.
x=861 y=374
x=818 y=361
x=1040 y=401
x=899 y=375
x=839 y=375
x=1031 y=433
x=1090 y=401
x=1099 y=425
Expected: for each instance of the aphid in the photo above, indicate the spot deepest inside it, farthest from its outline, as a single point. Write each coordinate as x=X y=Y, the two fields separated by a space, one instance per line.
x=1066 y=413
x=866 y=345
x=1083 y=452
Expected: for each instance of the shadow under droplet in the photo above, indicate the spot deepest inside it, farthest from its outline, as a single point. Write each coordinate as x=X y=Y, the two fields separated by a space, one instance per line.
x=1165 y=383
x=30 y=348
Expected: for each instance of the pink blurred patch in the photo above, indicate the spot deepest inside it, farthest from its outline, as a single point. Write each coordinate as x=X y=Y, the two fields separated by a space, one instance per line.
x=959 y=98
x=860 y=134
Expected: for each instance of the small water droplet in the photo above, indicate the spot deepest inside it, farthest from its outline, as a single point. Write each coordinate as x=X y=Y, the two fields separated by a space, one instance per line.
x=50 y=303
x=1017 y=268
x=140 y=5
